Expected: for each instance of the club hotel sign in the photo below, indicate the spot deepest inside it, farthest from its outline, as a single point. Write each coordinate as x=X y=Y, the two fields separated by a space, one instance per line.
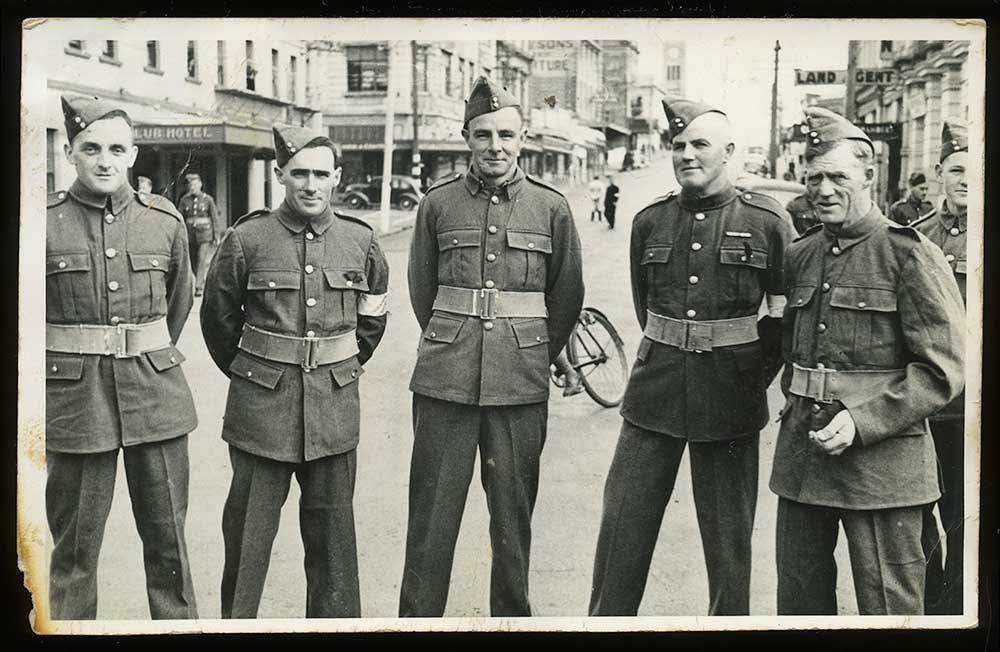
x=168 y=134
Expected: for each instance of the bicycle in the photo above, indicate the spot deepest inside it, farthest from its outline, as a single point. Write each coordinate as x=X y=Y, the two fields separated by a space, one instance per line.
x=596 y=351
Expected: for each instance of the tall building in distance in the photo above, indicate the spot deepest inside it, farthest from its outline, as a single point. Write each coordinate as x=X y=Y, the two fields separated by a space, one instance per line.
x=674 y=68
x=620 y=62
x=569 y=74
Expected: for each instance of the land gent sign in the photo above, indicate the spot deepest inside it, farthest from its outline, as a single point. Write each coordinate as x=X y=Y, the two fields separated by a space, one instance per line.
x=861 y=76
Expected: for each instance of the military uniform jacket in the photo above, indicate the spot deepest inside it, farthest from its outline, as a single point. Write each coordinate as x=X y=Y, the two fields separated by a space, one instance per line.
x=803 y=214
x=907 y=211
x=519 y=237
x=201 y=205
x=114 y=260
x=877 y=296
x=277 y=273
x=703 y=259
x=948 y=232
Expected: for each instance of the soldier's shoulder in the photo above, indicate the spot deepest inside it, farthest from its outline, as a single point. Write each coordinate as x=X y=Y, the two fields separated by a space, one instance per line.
x=925 y=221
x=906 y=233
x=662 y=201
x=158 y=203
x=249 y=218
x=56 y=198
x=541 y=184
x=444 y=181
x=765 y=203
x=898 y=202
x=356 y=224
x=811 y=231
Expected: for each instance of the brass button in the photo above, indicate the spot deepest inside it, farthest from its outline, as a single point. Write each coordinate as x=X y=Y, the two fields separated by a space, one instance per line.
x=816 y=407
x=62 y=264
x=354 y=373
x=310 y=333
x=695 y=246
x=821 y=328
x=173 y=359
x=950 y=257
x=309 y=235
x=109 y=218
x=699 y=216
x=820 y=365
x=538 y=338
x=249 y=373
x=826 y=287
x=743 y=258
x=155 y=262
x=62 y=195
x=651 y=254
x=433 y=335
x=492 y=229
x=861 y=304
x=110 y=252
x=954 y=231
x=531 y=245
x=310 y=302
x=692 y=279
x=55 y=368
x=115 y=320
x=271 y=284
x=454 y=241
x=835 y=251
x=488 y=325
x=691 y=313
x=310 y=269
x=489 y=285
x=307 y=370
x=494 y=199
x=113 y=286
x=491 y=257
x=349 y=283
x=748 y=196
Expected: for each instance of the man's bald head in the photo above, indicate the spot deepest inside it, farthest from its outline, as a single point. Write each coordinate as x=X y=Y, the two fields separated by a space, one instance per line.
x=712 y=124
x=701 y=152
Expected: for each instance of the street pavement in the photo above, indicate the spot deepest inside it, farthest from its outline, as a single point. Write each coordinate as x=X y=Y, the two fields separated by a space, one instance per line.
x=578 y=450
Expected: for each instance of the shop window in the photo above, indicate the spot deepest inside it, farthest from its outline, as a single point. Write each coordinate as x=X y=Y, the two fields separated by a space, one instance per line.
x=192 y=60
x=153 y=56
x=367 y=68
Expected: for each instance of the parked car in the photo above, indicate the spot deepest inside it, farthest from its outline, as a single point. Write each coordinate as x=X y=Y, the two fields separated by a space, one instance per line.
x=404 y=193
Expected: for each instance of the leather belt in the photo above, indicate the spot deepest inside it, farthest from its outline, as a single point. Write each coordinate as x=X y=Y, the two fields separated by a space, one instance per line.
x=689 y=335
x=310 y=352
x=829 y=385
x=198 y=221
x=489 y=303
x=121 y=340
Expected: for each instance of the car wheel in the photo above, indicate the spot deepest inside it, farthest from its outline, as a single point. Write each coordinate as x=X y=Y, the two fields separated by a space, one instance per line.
x=355 y=202
x=407 y=203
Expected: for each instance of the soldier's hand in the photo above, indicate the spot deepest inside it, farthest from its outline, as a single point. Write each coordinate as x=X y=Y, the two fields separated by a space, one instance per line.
x=837 y=435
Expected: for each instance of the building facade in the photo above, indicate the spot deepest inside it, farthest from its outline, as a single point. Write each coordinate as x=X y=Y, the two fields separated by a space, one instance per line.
x=197 y=106
x=619 y=66
x=674 y=68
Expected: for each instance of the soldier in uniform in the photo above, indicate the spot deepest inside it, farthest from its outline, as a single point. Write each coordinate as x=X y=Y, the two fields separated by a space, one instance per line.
x=915 y=205
x=873 y=339
x=496 y=286
x=701 y=264
x=117 y=294
x=205 y=228
x=802 y=212
x=947 y=229
x=295 y=304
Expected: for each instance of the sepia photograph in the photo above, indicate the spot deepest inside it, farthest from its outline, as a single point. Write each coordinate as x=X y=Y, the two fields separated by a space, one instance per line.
x=500 y=324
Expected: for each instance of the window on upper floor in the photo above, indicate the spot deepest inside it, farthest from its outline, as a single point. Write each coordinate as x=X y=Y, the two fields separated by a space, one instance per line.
x=462 y=90
x=449 y=87
x=293 y=77
x=220 y=63
x=75 y=46
x=275 y=75
x=367 y=68
x=192 y=60
x=421 y=72
x=153 y=56
x=251 y=70
x=673 y=73
x=110 y=50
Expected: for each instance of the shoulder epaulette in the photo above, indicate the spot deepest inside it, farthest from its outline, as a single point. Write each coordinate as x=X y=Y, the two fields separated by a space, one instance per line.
x=661 y=199
x=252 y=216
x=56 y=198
x=815 y=228
x=543 y=185
x=445 y=181
x=908 y=229
x=160 y=203
x=355 y=219
x=923 y=219
x=762 y=201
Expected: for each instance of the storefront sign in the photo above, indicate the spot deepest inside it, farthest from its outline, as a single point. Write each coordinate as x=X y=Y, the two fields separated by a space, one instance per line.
x=861 y=76
x=171 y=134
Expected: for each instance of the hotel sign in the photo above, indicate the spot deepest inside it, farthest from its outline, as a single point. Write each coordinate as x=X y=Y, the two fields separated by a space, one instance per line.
x=178 y=134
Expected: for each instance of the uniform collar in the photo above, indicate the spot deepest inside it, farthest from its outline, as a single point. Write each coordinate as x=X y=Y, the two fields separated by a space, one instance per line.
x=720 y=198
x=119 y=198
x=296 y=223
x=860 y=230
x=510 y=188
x=951 y=220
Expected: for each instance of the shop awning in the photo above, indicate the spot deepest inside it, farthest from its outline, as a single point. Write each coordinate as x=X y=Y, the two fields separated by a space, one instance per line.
x=154 y=125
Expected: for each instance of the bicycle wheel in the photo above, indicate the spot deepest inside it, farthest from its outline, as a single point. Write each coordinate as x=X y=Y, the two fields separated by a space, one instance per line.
x=596 y=351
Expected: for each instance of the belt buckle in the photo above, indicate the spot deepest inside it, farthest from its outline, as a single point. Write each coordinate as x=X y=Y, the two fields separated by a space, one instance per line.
x=487 y=303
x=311 y=353
x=697 y=336
x=121 y=340
x=821 y=377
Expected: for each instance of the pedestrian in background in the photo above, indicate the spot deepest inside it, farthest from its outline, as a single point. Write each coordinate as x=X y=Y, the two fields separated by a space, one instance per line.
x=701 y=262
x=874 y=343
x=915 y=205
x=610 y=201
x=205 y=228
x=803 y=213
x=295 y=304
x=595 y=190
x=947 y=228
x=117 y=295
x=496 y=285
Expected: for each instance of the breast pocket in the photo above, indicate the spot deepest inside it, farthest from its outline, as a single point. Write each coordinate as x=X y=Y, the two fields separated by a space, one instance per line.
x=799 y=308
x=741 y=270
x=526 y=259
x=273 y=297
x=69 y=287
x=864 y=321
x=654 y=262
x=341 y=301
x=149 y=281
x=459 y=255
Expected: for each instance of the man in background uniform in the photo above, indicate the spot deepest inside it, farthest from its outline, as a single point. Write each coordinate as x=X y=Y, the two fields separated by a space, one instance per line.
x=873 y=339
x=205 y=228
x=947 y=229
x=117 y=294
x=496 y=286
x=802 y=212
x=915 y=205
x=701 y=264
x=295 y=304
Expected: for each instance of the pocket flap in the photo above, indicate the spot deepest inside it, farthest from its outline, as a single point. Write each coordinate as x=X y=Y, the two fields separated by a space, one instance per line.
x=800 y=296
x=149 y=262
x=756 y=258
x=63 y=367
x=531 y=332
x=75 y=262
x=656 y=255
x=458 y=238
x=266 y=279
x=443 y=329
x=346 y=279
x=247 y=368
x=857 y=298
x=346 y=372
x=529 y=241
x=961 y=265
x=164 y=359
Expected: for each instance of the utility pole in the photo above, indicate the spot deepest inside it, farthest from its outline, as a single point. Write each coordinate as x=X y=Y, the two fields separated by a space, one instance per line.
x=415 y=101
x=850 y=107
x=390 y=121
x=772 y=152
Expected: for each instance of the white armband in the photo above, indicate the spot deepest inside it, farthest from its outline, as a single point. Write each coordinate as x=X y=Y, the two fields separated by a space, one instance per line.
x=373 y=305
x=775 y=305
